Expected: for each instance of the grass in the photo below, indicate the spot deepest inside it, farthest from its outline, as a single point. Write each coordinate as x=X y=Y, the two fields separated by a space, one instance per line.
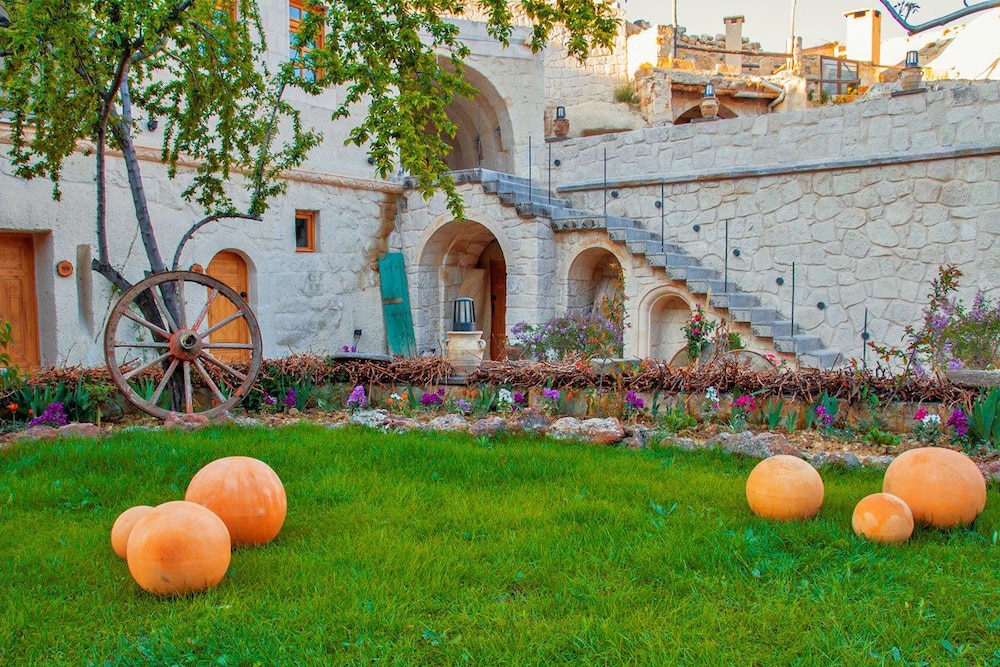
x=427 y=548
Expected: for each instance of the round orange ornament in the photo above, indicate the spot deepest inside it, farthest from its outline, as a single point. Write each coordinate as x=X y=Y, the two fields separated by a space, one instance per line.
x=943 y=488
x=785 y=488
x=178 y=548
x=884 y=518
x=246 y=494
x=123 y=527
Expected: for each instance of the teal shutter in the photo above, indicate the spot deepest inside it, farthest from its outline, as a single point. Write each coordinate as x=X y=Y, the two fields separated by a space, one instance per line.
x=396 y=305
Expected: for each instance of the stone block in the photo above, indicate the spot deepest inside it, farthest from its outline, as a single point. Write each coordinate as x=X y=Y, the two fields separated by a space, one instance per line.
x=846 y=183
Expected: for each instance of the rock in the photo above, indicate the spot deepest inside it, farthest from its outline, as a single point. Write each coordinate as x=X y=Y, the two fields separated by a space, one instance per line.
x=759 y=446
x=531 y=421
x=637 y=437
x=370 y=418
x=488 y=427
x=990 y=470
x=293 y=411
x=41 y=432
x=84 y=430
x=681 y=443
x=838 y=459
x=399 y=423
x=595 y=431
x=633 y=442
x=448 y=423
x=877 y=461
x=181 y=421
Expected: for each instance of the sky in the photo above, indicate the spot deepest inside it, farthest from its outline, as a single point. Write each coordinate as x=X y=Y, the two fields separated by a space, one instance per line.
x=768 y=21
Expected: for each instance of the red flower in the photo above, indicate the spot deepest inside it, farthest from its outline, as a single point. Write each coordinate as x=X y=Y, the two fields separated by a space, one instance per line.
x=920 y=414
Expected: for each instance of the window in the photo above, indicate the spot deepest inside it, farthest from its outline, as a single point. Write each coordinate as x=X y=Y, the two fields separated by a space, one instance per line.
x=297 y=52
x=837 y=75
x=305 y=231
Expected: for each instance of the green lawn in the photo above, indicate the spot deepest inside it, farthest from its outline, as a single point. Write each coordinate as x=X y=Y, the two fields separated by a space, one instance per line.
x=434 y=549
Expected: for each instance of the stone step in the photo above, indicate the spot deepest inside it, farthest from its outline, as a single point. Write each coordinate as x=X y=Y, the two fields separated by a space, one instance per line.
x=648 y=248
x=823 y=359
x=679 y=259
x=616 y=222
x=799 y=344
x=736 y=300
x=629 y=234
x=763 y=315
x=696 y=272
x=512 y=195
x=775 y=329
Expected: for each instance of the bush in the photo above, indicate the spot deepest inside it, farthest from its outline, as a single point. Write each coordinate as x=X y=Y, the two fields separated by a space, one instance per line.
x=570 y=335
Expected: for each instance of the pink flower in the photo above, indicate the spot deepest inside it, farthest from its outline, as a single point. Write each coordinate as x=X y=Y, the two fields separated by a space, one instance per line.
x=920 y=414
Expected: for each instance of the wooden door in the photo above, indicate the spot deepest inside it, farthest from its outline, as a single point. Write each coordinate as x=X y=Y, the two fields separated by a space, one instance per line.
x=229 y=268
x=498 y=310
x=17 y=297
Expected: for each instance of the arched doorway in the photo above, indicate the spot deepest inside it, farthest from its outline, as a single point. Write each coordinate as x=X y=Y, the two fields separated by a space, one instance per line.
x=667 y=316
x=484 y=128
x=596 y=286
x=464 y=259
x=231 y=269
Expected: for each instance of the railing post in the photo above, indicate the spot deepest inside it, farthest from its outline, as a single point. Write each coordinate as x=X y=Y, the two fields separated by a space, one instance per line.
x=605 y=186
x=865 y=336
x=550 y=173
x=725 y=277
x=529 y=171
x=793 y=300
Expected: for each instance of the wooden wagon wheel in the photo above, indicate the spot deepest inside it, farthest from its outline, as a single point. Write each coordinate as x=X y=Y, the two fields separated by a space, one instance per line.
x=181 y=344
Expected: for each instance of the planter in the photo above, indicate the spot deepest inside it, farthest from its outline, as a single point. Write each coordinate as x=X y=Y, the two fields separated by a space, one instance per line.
x=975 y=378
x=465 y=350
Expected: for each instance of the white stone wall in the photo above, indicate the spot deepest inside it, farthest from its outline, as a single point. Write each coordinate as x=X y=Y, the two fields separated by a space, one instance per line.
x=305 y=302
x=866 y=199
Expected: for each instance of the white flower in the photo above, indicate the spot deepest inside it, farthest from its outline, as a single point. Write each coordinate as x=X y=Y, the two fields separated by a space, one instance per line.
x=504 y=397
x=931 y=419
x=396 y=397
x=712 y=394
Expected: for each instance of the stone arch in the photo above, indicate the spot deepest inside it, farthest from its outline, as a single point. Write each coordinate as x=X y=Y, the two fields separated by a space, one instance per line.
x=695 y=112
x=662 y=313
x=485 y=132
x=461 y=259
x=592 y=278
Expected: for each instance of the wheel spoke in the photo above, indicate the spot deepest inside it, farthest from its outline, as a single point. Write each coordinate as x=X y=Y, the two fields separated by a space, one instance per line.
x=188 y=404
x=208 y=378
x=181 y=305
x=149 y=325
x=238 y=314
x=204 y=311
x=158 y=298
x=224 y=366
x=229 y=346
x=159 y=346
x=150 y=364
x=163 y=383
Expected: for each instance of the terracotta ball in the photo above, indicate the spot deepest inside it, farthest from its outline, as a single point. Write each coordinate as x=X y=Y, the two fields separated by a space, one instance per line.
x=943 y=488
x=178 y=548
x=884 y=518
x=784 y=488
x=123 y=526
x=245 y=493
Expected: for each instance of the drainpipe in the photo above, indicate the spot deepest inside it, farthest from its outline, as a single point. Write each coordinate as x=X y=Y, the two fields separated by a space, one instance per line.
x=772 y=86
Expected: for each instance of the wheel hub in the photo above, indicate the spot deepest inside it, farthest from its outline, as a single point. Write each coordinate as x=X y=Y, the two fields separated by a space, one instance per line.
x=185 y=344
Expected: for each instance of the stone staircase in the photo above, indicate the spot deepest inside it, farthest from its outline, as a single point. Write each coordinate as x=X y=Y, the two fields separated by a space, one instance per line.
x=675 y=263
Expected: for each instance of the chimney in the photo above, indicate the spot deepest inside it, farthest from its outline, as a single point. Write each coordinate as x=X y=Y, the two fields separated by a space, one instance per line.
x=864 y=35
x=734 y=42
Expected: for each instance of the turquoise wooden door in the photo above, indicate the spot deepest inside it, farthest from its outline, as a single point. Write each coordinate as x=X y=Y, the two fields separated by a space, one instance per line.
x=396 y=305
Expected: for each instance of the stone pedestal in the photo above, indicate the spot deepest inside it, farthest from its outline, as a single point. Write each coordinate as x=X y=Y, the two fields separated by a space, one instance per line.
x=465 y=350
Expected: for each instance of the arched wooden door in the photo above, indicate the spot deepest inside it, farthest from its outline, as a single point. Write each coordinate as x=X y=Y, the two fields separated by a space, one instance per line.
x=231 y=269
x=17 y=297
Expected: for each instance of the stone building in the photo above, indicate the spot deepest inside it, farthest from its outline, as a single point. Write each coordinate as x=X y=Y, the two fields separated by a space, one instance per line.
x=855 y=205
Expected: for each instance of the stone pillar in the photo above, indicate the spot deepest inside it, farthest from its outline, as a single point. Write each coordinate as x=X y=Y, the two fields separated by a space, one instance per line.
x=734 y=42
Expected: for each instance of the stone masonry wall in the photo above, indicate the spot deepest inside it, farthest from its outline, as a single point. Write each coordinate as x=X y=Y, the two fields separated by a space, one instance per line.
x=867 y=200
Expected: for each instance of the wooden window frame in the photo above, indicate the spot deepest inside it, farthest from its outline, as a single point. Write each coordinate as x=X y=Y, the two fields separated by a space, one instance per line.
x=839 y=85
x=310 y=219
x=293 y=29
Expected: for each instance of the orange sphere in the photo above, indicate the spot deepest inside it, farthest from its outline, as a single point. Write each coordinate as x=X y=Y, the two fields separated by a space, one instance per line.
x=245 y=493
x=884 y=518
x=178 y=548
x=123 y=527
x=784 y=488
x=943 y=488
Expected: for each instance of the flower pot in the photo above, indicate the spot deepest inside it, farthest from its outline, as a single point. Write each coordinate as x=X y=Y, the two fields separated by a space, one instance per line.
x=465 y=350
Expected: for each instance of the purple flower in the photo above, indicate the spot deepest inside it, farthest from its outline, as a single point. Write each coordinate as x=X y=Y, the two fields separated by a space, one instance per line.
x=955 y=364
x=54 y=415
x=463 y=406
x=269 y=400
x=440 y=392
x=428 y=399
x=634 y=401
x=290 y=398
x=519 y=398
x=357 y=399
x=959 y=422
x=825 y=418
x=350 y=348
x=551 y=394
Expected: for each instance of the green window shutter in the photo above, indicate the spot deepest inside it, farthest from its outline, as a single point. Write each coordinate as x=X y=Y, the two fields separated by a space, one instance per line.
x=396 y=305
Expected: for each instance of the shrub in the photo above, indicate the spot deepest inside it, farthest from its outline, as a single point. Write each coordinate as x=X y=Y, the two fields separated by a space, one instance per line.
x=583 y=335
